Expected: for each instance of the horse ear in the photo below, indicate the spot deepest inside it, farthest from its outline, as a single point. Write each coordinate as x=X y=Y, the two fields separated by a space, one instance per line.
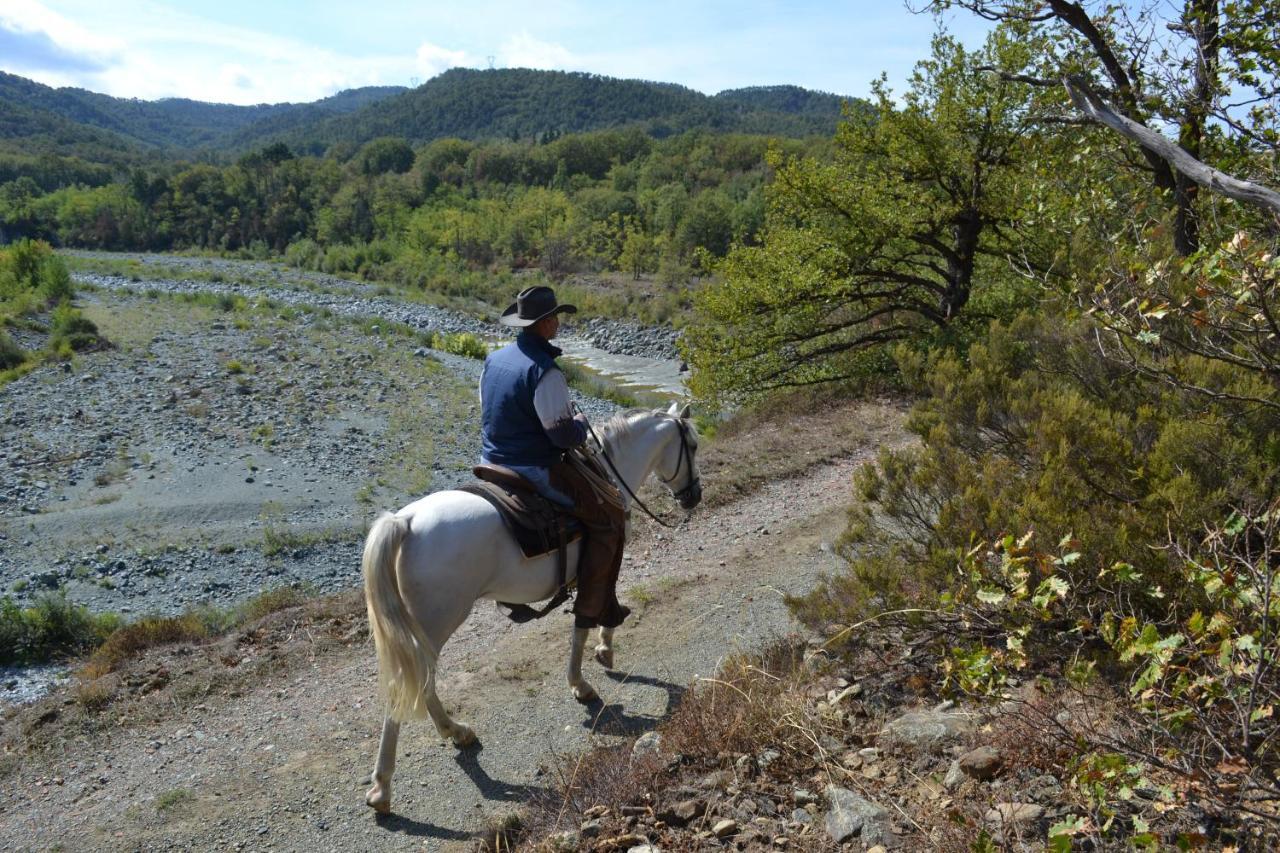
x=684 y=413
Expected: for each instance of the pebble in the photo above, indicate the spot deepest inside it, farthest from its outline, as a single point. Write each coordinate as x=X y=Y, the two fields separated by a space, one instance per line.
x=725 y=828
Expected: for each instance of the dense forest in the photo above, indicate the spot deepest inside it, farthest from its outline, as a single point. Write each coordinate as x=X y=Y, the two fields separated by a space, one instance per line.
x=609 y=200
x=472 y=171
x=509 y=104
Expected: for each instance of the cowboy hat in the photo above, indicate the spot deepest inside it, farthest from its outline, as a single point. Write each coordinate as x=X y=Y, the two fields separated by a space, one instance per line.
x=531 y=305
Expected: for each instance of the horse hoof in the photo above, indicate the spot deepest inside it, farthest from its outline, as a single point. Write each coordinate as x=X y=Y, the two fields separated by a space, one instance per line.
x=463 y=736
x=604 y=657
x=585 y=694
x=379 y=799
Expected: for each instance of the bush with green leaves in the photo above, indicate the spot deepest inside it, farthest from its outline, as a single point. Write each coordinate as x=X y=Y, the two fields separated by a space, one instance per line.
x=460 y=343
x=50 y=628
x=30 y=268
x=71 y=330
x=1065 y=515
x=11 y=355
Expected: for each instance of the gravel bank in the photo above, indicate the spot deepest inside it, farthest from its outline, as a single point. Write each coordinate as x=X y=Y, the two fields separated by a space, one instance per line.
x=214 y=455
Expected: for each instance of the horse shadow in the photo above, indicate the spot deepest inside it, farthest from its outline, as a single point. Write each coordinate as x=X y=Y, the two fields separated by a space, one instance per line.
x=419 y=829
x=494 y=790
x=613 y=719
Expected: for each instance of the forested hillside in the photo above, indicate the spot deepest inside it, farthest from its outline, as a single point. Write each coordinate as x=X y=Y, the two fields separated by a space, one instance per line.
x=51 y=118
x=521 y=104
x=439 y=217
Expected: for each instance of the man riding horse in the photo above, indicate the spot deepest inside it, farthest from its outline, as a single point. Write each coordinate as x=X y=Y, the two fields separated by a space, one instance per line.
x=527 y=425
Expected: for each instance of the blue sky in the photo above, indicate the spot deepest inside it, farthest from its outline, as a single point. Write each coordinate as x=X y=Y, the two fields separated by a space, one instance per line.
x=243 y=52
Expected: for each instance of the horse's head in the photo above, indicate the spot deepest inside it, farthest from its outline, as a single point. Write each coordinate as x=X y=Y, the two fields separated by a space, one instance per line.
x=678 y=464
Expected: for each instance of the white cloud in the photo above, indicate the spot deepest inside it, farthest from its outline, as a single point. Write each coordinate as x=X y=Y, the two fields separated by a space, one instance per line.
x=433 y=59
x=524 y=51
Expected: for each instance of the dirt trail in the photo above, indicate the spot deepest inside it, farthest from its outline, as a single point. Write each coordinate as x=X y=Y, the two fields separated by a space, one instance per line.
x=284 y=766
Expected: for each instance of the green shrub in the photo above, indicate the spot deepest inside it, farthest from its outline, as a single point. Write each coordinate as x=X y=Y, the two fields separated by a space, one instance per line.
x=1074 y=514
x=72 y=330
x=11 y=355
x=55 y=280
x=460 y=343
x=51 y=628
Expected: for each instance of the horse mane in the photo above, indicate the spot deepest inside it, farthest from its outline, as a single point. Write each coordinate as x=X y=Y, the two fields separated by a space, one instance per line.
x=623 y=424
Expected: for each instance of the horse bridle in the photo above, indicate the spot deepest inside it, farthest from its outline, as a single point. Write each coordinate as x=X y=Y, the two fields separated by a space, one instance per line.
x=694 y=486
x=686 y=455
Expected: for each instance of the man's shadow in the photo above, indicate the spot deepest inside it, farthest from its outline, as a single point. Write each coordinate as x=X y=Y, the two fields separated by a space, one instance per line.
x=613 y=719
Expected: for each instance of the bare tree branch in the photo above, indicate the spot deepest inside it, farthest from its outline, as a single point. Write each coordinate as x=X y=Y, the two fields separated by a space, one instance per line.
x=1206 y=176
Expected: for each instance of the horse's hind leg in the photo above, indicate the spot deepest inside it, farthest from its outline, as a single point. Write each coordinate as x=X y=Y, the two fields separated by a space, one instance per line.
x=460 y=733
x=582 y=691
x=379 y=796
x=604 y=651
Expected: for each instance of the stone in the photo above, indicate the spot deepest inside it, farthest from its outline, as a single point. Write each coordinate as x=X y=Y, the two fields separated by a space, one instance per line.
x=764 y=759
x=926 y=730
x=683 y=812
x=590 y=829
x=718 y=780
x=955 y=776
x=803 y=797
x=982 y=763
x=1013 y=814
x=725 y=828
x=649 y=743
x=852 y=815
x=645 y=848
x=802 y=817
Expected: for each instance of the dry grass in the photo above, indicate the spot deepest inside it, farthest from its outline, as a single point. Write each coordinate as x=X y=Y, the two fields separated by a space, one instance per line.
x=754 y=702
x=788 y=437
x=128 y=642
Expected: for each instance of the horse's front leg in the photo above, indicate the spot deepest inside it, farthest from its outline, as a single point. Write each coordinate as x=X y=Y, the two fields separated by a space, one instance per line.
x=604 y=651
x=379 y=796
x=582 y=691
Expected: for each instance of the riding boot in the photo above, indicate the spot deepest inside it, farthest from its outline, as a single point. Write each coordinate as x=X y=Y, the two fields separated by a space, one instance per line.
x=601 y=558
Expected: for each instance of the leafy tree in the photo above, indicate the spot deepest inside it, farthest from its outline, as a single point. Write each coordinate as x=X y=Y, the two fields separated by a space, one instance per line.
x=884 y=243
x=387 y=154
x=639 y=253
x=1206 y=68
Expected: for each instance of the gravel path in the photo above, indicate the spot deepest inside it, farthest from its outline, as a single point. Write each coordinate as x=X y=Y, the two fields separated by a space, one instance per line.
x=282 y=766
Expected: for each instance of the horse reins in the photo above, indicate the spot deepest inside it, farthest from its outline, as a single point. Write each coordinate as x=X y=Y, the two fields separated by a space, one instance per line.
x=686 y=457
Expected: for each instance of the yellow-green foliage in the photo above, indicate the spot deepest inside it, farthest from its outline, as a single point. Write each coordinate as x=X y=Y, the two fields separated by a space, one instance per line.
x=460 y=343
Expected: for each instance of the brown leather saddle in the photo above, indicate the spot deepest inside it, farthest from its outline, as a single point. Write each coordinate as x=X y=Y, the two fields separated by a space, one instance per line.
x=538 y=525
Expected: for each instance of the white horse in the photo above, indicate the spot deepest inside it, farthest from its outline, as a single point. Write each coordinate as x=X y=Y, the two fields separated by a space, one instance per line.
x=426 y=566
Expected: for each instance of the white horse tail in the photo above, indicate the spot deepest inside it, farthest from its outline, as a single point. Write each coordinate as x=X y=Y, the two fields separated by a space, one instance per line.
x=406 y=659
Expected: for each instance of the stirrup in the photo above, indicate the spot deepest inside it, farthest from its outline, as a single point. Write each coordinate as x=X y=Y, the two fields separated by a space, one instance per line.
x=522 y=613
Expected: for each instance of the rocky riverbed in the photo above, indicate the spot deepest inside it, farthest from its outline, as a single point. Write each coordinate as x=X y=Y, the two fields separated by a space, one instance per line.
x=222 y=449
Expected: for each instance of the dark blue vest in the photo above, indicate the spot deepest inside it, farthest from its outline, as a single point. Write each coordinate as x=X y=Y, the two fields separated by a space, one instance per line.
x=511 y=432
